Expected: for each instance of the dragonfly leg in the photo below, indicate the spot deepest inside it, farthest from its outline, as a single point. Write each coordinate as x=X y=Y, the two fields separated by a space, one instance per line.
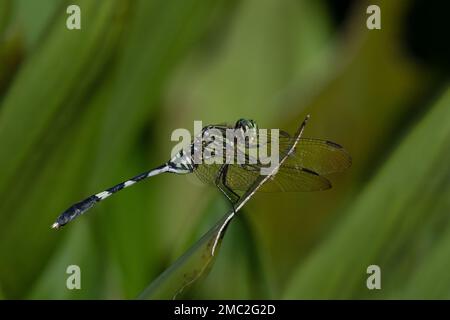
x=220 y=182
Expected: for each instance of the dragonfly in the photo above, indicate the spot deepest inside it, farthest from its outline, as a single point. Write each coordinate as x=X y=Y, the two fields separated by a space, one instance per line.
x=304 y=169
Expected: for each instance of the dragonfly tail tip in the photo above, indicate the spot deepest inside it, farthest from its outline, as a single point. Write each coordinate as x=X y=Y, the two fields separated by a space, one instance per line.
x=56 y=225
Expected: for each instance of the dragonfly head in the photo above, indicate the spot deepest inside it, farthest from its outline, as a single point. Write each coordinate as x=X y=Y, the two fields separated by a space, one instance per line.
x=246 y=124
x=248 y=129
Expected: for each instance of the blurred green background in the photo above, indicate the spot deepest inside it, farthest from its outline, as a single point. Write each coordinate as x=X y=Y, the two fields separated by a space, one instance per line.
x=81 y=110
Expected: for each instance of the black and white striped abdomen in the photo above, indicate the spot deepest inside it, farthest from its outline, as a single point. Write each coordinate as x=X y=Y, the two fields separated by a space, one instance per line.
x=182 y=162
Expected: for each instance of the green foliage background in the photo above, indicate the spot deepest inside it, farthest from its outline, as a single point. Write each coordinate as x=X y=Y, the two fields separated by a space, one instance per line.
x=83 y=110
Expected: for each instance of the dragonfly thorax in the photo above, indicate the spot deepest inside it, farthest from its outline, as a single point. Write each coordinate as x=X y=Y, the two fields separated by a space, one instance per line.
x=182 y=162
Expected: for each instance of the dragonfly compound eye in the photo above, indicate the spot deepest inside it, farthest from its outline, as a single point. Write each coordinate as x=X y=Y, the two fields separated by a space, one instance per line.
x=245 y=124
x=253 y=124
x=240 y=124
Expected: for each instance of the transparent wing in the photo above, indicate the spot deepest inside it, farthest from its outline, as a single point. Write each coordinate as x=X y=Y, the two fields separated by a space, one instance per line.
x=321 y=156
x=207 y=173
x=302 y=170
x=285 y=180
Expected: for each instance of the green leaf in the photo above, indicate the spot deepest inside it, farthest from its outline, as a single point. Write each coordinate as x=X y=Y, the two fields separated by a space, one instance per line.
x=431 y=277
x=48 y=189
x=387 y=218
x=225 y=280
x=32 y=103
x=190 y=267
x=37 y=122
x=5 y=15
x=77 y=248
x=35 y=16
x=11 y=55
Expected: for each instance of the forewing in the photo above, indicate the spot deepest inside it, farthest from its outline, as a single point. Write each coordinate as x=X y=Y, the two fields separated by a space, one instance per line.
x=321 y=156
x=285 y=180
